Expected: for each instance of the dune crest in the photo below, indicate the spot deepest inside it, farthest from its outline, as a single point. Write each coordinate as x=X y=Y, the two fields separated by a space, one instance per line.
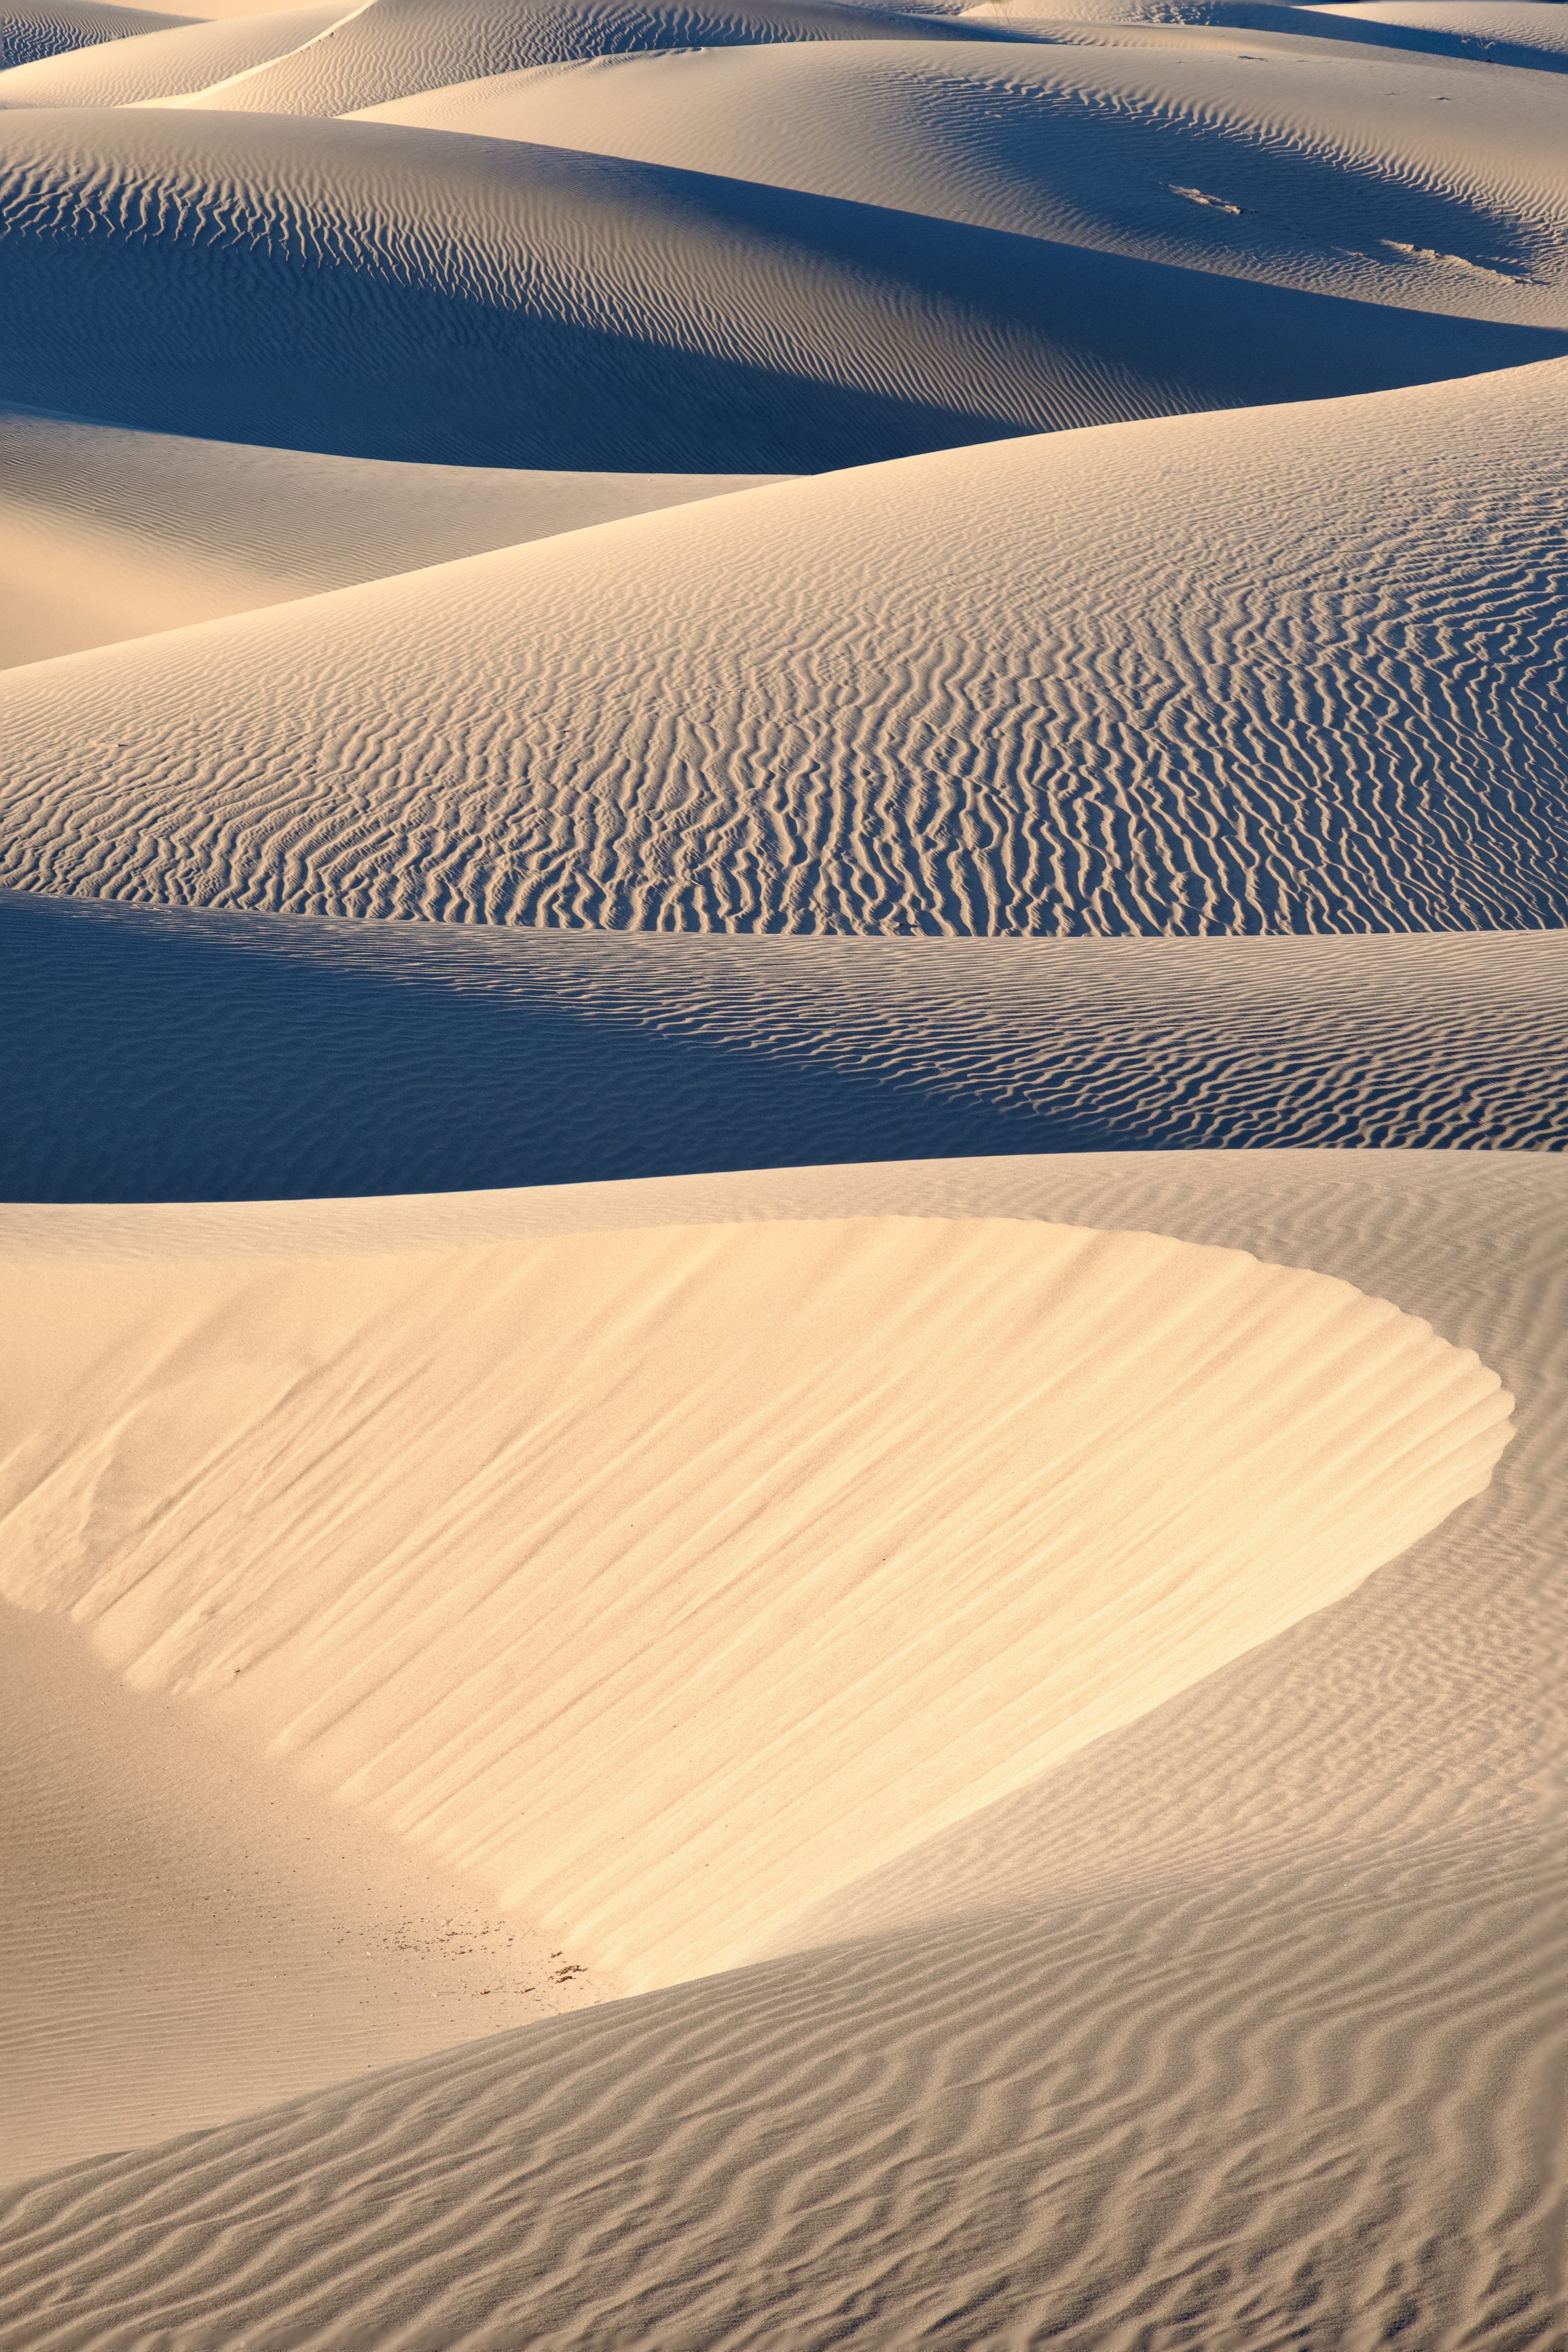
x=107 y=534
x=664 y=1581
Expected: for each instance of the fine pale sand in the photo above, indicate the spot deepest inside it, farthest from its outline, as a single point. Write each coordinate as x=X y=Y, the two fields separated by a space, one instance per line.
x=783 y=1243
x=107 y=534
x=1253 y=1968
x=663 y=1582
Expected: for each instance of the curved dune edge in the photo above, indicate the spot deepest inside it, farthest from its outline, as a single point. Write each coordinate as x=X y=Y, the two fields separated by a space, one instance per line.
x=664 y=1580
x=107 y=534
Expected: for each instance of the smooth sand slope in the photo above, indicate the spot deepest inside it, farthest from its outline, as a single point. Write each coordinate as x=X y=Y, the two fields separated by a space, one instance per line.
x=1398 y=185
x=1235 y=2016
x=107 y=534
x=172 y=1054
x=1530 y=32
x=377 y=291
x=186 y=1937
x=1299 y=669
x=665 y=1584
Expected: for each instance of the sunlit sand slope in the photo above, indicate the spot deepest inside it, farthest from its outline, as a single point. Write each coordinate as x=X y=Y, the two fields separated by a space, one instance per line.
x=1437 y=192
x=159 y=64
x=185 y=1936
x=1291 y=670
x=665 y=1583
x=1476 y=34
x=179 y=1055
x=1530 y=33
x=1248 y=2022
x=107 y=534
x=390 y=48
x=382 y=292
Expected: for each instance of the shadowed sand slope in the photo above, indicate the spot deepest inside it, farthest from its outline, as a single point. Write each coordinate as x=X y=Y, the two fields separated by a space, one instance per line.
x=1429 y=191
x=107 y=534
x=46 y=28
x=182 y=1056
x=382 y=292
x=1299 y=669
x=1128 y=2088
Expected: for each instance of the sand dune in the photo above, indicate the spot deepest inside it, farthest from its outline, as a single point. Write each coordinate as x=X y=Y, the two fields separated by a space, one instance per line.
x=1298 y=669
x=388 y=48
x=783 y=897
x=376 y=290
x=715 y=1569
x=1443 y=193
x=185 y=1937
x=107 y=534
x=179 y=1055
x=47 y=28
x=162 y=64
x=1529 y=33
x=1470 y=33
x=1186 y=2052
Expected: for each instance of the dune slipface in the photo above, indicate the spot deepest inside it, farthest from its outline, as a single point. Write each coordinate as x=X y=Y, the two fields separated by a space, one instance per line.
x=1327 y=1869
x=714 y=1570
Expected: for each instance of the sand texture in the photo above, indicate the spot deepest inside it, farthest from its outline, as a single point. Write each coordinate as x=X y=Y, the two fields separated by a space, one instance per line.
x=48 y=28
x=107 y=534
x=1196 y=1986
x=173 y=1055
x=736 y=716
x=783 y=1218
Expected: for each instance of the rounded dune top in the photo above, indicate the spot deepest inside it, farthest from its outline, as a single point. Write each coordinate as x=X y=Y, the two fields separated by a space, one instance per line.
x=385 y=50
x=1442 y=193
x=665 y=1580
x=107 y=534
x=1028 y=689
x=163 y=63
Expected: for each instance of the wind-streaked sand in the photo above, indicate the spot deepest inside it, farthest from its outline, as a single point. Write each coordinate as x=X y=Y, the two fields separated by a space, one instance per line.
x=741 y=716
x=783 y=1235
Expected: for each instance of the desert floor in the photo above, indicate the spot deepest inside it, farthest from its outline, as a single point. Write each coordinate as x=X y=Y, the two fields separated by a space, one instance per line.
x=783 y=1236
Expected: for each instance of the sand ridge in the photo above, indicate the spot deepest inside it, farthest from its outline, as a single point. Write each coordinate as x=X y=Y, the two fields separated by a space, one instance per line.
x=737 y=716
x=1432 y=192
x=107 y=534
